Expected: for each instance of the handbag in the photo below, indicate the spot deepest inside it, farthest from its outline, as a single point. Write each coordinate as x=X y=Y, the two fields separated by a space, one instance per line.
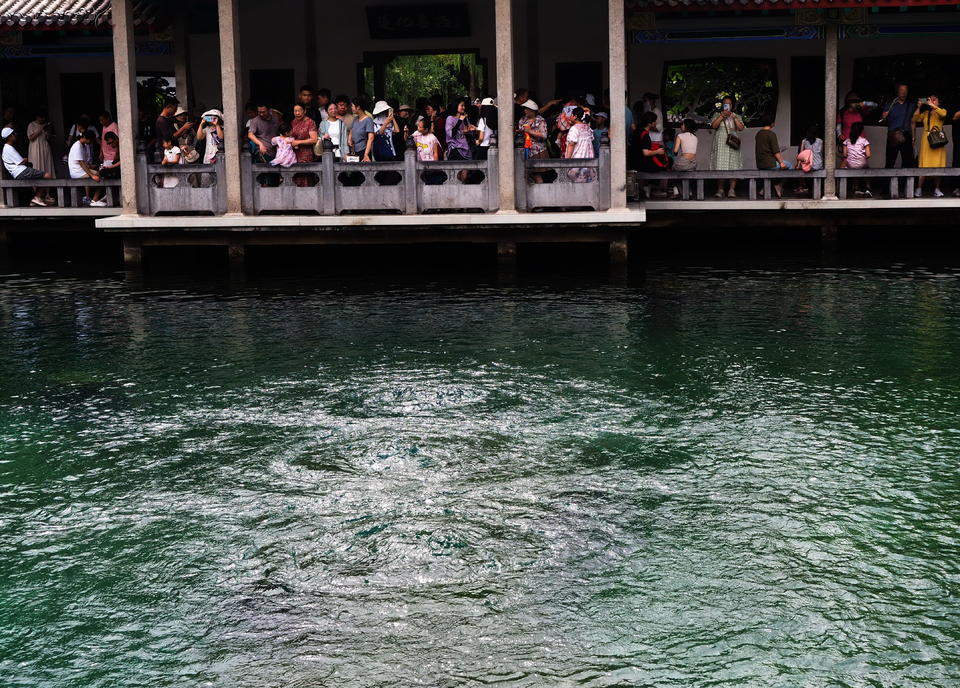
x=732 y=139
x=936 y=138
x=896 y=137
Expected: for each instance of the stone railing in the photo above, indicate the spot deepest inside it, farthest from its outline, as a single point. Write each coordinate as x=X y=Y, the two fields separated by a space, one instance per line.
x=180 y=188
x=551 y=183
x=891 y=179
x=692 y=185
x=17 y=193
x=404 y=187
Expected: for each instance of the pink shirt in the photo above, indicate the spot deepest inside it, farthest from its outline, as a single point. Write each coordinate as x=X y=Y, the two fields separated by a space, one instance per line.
x=107 y=151
x=856 y=153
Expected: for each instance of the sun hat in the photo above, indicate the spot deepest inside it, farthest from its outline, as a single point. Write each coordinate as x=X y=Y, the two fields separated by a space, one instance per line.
x=214 y=112
x=381 y=106
x=180 y=111
x=590 y=99
x=601 y=115
x=487 y=101
x=6 y=132
x=405 y=107
x=530 y=105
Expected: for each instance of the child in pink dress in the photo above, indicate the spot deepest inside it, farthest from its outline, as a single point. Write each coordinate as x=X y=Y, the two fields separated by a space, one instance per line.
x=285 y=156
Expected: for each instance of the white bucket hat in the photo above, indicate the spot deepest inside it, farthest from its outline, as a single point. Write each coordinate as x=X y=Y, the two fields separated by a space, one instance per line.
x=487 y=101
x=5 y=134
x=530 y=105
x=215 y=112
x=180 y=111
x=381 y=106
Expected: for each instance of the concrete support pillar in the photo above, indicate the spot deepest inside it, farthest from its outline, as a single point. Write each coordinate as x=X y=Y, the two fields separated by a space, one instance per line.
x=618 y=104
x=619 y=252
x=231 y=79
x=132 y=254
x=125 y=70
x=830 y=112
x=505 y=123
x=237 y=256
x=181 y=60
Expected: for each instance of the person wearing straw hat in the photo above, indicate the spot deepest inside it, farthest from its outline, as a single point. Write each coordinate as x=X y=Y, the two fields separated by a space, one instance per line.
x=533 y=128
x=384 y=126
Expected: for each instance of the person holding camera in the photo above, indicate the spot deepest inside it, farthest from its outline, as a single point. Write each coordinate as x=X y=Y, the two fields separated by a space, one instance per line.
x=726 y=143
x=933 y=142
x=211 y=133
x=898 y=116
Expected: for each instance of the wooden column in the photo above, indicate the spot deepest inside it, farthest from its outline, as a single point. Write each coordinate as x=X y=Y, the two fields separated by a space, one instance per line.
x=830 y=112
x=618 y=104
x=230 y=76
x=181 y=59
x=125 y=71
x=505 y=123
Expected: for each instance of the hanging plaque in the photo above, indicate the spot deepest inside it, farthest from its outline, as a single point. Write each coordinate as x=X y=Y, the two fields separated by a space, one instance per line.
x=444 y=20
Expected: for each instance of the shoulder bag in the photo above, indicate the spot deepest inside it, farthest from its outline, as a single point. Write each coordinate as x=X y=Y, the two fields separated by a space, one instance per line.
x=733 y=141
x=936 y=138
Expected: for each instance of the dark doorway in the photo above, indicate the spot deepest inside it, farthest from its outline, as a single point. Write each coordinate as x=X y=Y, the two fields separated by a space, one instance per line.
x=806 y=95
x=274 y=87
x=23 y=85
x=579 y=78
x=81 y=94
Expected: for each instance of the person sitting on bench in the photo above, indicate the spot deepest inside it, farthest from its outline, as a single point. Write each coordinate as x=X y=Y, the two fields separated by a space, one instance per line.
x=80 y=162
x=20 y=168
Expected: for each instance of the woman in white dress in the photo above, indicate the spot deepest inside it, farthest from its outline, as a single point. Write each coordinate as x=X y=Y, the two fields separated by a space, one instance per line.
x=39 y=133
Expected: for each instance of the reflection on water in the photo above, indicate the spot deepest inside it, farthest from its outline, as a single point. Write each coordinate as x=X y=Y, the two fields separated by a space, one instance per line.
x=707 y=478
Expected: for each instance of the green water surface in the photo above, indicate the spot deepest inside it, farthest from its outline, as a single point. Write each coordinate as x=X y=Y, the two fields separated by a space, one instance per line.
x=707 y=478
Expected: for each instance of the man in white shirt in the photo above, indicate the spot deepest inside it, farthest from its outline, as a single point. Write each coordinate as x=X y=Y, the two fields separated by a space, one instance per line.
x=19 y=167
x=80 y=164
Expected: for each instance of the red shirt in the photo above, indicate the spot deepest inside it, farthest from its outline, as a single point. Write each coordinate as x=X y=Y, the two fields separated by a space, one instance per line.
x=847 y=118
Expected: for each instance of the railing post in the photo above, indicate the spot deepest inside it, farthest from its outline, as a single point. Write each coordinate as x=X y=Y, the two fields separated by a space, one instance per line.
x=219 y=190
x=143 y=185
x=328 y=184
x=248 y=196
x=410 y=182
x=493 y=178
x=520 y=179
x=604 y=171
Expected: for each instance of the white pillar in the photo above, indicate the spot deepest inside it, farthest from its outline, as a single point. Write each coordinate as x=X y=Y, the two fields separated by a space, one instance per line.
x=181 y=60
x=505 y=123
x=618 y=105
x=230 y=76
x=125 y=68
x=830 y=112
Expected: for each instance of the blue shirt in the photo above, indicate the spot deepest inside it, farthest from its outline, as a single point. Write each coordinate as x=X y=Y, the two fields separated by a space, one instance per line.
x=899 y=115
x=629 y=122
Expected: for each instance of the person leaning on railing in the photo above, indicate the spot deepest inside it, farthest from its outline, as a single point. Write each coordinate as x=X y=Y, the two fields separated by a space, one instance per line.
x=933 y=142
x=726 y=143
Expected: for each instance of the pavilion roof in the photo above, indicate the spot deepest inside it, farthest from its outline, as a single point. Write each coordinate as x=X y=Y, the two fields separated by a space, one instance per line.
x=747 y=5
x=67 y=14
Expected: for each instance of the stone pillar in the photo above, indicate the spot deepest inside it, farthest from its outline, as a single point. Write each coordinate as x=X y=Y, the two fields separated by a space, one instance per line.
x=181 y=60
x=618 y=104
x=125 y=70
x=830 y=112
x=230 y=77
x=505 y=123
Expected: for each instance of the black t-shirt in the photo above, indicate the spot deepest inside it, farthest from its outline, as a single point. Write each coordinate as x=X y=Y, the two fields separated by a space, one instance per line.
x=647 y=163
x=165 y=128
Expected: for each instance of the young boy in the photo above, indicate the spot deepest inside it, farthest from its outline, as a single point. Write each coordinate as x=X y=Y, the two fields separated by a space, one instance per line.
x=19 y=167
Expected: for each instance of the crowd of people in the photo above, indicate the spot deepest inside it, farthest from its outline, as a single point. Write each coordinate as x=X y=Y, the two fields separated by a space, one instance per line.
x=356 y=130
x=914 y=138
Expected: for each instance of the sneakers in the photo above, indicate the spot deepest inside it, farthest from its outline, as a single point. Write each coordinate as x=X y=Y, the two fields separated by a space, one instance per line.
x=918 y=193
x=937 y=193
x=719 y=193
x=732 y=194
x=85 y=200
x=956 y=192
x=867 y=194
x=51 y=202
x=37 y=202
x=99 y=204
